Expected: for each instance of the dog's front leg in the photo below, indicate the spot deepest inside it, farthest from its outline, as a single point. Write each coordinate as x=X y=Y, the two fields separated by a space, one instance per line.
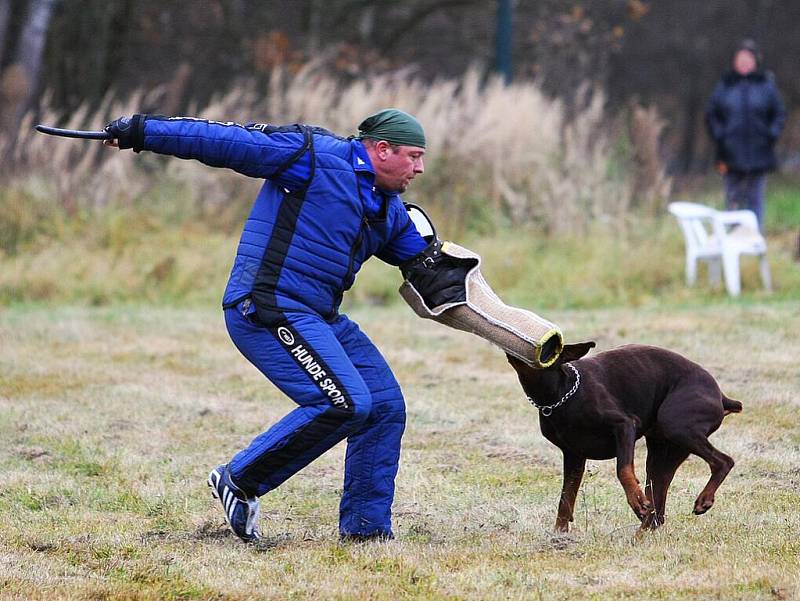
x=573 y=474
x=625 y=435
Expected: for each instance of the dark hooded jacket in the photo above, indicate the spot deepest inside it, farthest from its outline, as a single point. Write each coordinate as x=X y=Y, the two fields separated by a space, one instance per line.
x=745 y=116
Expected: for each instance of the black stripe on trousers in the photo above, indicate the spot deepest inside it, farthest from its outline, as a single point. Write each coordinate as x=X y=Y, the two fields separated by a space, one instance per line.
x=315 y=431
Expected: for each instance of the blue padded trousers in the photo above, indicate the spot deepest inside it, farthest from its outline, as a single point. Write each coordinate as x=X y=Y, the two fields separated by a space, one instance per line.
x=344 y=389
x=746 y=191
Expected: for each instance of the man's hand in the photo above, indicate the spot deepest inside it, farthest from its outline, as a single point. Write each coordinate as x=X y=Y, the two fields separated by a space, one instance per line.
x=443 y=282
x=128 y=132
x=722 y=168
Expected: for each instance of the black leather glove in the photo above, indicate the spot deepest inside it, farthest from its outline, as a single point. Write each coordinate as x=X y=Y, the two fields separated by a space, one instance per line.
x=128 y=131
x=438 y=281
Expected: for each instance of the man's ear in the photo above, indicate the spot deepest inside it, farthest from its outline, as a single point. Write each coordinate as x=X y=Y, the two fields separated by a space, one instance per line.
x=572 y=352
x=382 y=148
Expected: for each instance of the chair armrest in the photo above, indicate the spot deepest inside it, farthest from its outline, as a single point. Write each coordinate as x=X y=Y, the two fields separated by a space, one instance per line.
x=745 y=218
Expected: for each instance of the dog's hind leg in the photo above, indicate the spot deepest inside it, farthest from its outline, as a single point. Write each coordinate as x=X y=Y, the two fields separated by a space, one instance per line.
x=686 y=420
x=663 y=460
x=574 y=467
x=720 y=464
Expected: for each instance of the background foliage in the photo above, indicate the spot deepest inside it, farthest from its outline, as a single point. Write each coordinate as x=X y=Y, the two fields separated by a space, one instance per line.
x=668 y=54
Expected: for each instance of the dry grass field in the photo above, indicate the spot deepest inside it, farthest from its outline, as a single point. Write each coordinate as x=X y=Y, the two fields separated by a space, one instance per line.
x=111 y=417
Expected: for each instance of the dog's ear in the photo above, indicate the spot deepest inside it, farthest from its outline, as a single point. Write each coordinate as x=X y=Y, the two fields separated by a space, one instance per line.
x=573 y=352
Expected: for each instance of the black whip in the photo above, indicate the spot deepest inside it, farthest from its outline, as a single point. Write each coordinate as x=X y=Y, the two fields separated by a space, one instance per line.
x=74 y=133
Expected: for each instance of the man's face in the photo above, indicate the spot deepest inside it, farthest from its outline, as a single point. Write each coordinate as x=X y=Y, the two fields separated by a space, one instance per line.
x=396 y=166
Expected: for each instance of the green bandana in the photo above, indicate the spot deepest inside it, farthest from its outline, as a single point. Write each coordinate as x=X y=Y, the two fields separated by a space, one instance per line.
x=394 y=126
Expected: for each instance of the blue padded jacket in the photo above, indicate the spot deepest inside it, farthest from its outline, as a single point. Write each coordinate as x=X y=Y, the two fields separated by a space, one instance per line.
x=317 y=218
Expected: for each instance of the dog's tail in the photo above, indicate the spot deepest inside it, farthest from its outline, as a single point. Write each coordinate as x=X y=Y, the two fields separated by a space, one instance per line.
x=731 y=406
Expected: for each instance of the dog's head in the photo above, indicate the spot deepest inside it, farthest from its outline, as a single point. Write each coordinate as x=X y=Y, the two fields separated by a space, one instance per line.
x=532 y=378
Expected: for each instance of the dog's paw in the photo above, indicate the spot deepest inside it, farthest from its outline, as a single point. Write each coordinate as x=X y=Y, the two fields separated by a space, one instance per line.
x=640 y=504
x=703 y=504
x=561 y=526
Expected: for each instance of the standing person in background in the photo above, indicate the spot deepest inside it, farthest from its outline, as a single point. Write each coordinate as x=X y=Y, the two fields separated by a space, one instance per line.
x=745 y=116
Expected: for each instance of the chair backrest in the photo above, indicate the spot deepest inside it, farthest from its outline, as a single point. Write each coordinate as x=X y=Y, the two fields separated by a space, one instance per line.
x=693 y=217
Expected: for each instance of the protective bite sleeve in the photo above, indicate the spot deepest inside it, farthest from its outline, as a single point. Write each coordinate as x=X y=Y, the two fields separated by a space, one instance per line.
x=444 y=283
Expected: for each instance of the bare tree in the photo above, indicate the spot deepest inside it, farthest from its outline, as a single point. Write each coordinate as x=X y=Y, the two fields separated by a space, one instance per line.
x=30 y=49
x=313 y=10
x=5 y=20
x=668 y=54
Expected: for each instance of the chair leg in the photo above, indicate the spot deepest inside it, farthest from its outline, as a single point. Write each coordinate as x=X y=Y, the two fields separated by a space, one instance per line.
x=766 y=278
x=714 y=271
x=730 y=268
x=691 y=269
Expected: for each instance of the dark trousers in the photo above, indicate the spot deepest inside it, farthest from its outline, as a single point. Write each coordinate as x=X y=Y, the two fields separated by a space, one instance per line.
x=746 y=191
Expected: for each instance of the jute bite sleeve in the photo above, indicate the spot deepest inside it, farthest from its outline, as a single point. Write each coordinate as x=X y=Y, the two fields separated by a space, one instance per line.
x=445 y=284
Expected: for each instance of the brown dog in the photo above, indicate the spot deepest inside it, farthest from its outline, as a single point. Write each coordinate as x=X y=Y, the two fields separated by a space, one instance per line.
x=597 y=407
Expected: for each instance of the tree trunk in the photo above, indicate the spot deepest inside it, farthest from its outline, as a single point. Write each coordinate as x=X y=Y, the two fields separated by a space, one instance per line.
x=366 y=25
x=30 y=50
x=503 y=40
x=314 y=27
x=5 y=19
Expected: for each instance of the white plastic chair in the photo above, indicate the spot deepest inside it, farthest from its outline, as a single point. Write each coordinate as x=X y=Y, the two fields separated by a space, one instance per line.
x=720 y=238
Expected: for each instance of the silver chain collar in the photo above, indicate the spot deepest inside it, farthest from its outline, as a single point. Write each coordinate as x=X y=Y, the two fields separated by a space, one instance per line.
x=547 y=410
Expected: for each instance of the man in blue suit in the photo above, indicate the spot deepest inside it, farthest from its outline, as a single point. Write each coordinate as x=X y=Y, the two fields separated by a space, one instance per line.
x=327 y=204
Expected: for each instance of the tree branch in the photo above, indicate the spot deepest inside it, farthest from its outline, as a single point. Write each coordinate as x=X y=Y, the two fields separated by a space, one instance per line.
x=419 y=14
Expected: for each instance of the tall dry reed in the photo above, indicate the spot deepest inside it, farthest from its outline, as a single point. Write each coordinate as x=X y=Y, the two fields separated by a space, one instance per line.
x=651 y=184
x=496 y=153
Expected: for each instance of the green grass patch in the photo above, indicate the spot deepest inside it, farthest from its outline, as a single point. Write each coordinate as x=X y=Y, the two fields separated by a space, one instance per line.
x=169 y=249
x=783 y=205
